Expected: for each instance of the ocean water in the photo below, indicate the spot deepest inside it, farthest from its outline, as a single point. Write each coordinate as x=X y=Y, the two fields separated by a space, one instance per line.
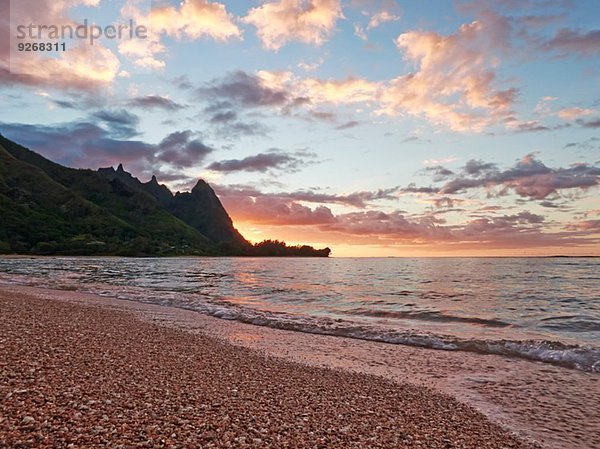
x=543 y=309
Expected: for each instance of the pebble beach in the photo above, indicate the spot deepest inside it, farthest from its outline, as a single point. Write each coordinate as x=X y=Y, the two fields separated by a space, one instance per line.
x=74 y=375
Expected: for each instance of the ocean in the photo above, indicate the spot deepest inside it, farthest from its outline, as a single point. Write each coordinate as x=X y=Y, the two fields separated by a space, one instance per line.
x=542 y=309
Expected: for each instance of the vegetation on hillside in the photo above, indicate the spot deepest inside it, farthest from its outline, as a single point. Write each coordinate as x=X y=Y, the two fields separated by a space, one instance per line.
x=49 y=209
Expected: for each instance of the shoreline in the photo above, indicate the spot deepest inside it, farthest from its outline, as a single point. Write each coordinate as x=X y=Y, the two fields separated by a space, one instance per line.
x=548 y=404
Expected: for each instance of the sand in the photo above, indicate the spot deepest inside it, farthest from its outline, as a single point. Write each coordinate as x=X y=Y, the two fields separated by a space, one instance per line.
x=74 y=375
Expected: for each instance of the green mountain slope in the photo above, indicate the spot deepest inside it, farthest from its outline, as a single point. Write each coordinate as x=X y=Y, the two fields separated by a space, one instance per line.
x=39 y=214
x=59 y=210
x=46 y=208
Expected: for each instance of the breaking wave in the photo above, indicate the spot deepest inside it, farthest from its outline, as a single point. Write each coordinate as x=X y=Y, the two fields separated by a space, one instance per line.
x=580 y=357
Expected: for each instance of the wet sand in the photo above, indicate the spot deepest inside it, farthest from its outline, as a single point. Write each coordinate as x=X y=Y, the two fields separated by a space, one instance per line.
x=288 y=404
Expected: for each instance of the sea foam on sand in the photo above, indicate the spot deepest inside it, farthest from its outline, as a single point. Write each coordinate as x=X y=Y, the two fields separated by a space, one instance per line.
x=552 y=405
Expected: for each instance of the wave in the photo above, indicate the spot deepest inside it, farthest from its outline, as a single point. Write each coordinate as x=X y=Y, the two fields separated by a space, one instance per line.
x=433 y=316
x=571 y=323
x=581 y=357
x=584 y=358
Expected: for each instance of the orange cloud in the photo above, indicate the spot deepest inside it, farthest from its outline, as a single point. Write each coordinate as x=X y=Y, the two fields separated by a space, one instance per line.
x=381 y=17
x=573 y=113
x=394 y=233
x=144 y=52
x=349 y=90
x=346 y=91
x=454 y=84
x=193 y=19
x=82 y=67
x=308 y=21
x=455 y=77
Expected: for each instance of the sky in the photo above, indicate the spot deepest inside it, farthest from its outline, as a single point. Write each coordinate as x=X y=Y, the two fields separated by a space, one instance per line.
x=373 y=127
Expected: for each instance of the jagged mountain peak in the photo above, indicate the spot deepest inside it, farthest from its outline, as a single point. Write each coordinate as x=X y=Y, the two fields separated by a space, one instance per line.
x=47 y=208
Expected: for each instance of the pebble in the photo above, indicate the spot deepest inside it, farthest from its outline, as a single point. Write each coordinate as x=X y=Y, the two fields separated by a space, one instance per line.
x=143 y=385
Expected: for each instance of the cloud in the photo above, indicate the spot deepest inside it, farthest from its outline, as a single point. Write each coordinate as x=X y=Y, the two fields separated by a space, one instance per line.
x=180 y=150
x=155 y=102
x=439 y=173
x=592 y=143
x=65 y=104
x=311 y=67
x=387 y=225
x=445 y=160
x=145 y=53
x=378 y=11
x=313 y=91
x=446 y=202
x=417 y=94
x=412 y=188
x=244 y=90
x=478 y=167
x=397 y=228
x=281 y=21
x=227 y=117
x=283 y=92
x=82 y=67
x=236 y=129
x=585 y=225
x=528 y=178
x=574 y=113
x=348 y=125
x=262 y=162
x=571 y=41
x=523 y=229
x=380 y=18
x=359 y=199
x=192 y=20
x=323 y=116
x=77 y=144
x=525 y=126
x=84 y=144
x=593 y=123
x=346 y=91
x=223 y=117
x=275 y=211
x=454 y=81
x=359 y=32
x=121 y=123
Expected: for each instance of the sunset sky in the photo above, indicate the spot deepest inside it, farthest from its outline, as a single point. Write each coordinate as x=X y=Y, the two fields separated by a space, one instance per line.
x=377 y=128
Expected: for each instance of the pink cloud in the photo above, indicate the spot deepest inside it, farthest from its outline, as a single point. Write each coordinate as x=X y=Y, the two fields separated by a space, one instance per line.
x=574 y=113
x=193 y=19
x=275 y=211
x=398 y=229
x=83 y=67
x=529 y=178
x=567 y=40
x=346 y=91
x=454 y=83
x=308 y=21
x=586 y=225
x=380 y=18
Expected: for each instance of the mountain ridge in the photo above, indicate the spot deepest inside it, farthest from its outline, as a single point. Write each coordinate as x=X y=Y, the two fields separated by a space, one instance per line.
x=50 y=209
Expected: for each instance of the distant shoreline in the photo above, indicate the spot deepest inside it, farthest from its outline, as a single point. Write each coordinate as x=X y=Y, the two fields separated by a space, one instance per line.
x=43 y=256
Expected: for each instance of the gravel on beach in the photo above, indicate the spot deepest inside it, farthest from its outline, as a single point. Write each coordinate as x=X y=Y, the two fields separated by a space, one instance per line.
x=81 y=376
